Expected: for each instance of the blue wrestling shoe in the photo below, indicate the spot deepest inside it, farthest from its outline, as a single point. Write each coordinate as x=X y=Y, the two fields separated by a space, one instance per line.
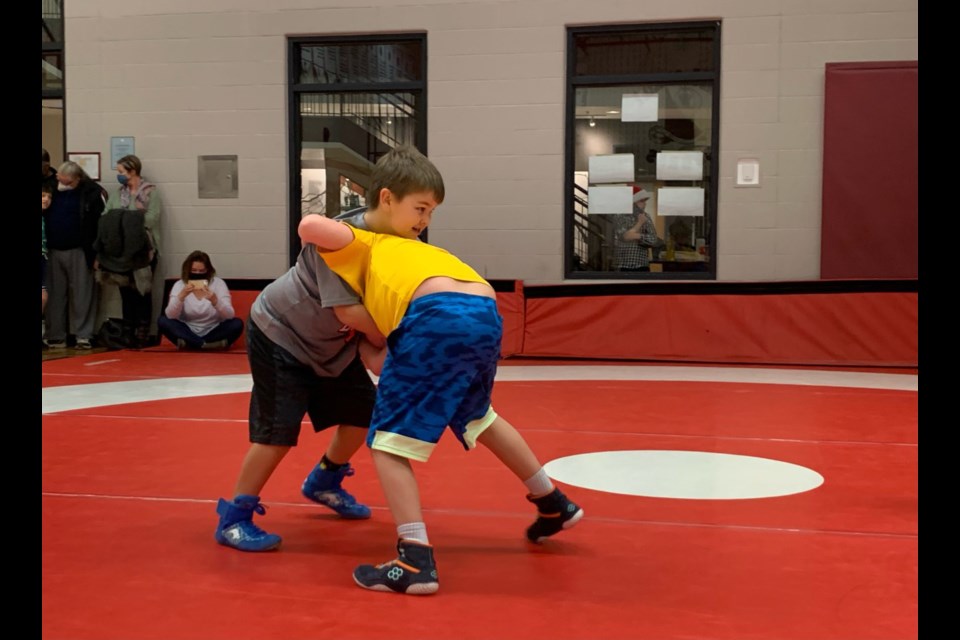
x=413 y=572
x=323 y=487
x=555 y=512
x=236 y=528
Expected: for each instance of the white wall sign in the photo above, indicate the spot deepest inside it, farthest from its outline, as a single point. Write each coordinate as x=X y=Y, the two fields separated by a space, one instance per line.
x=121 y=146
x=748 y=172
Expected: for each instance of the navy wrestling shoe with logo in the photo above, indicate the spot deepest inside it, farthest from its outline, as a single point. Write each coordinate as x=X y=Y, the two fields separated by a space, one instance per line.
x=413 y=572
x=555 y=512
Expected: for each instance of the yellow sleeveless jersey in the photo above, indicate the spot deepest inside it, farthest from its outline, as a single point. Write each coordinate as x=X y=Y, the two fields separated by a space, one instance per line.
x=386 y=270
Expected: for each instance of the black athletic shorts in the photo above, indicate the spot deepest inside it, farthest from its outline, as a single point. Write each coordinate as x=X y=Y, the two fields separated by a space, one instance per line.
x=284 y=390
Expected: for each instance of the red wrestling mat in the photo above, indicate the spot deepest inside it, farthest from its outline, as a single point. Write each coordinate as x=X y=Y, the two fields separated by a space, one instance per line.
x=129 y=493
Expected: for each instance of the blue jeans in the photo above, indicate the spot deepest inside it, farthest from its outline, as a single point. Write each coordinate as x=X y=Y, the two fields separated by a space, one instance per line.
x=174 y=330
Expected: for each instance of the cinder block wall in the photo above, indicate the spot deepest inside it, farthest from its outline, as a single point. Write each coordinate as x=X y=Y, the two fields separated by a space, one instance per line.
x=189 y=78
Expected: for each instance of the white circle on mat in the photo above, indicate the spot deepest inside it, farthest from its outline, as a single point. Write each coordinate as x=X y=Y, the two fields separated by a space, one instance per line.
x=694 y=475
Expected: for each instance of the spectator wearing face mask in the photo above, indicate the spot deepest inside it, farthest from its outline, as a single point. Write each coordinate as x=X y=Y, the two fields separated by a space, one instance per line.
x=71 y=227
x=199 y=313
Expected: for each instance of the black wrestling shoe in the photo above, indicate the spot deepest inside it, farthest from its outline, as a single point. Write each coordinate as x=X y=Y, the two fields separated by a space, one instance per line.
x=414 y=571
x=555 y=512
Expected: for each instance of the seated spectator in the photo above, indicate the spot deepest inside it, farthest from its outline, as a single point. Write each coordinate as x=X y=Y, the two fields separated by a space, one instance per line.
x=199 y=314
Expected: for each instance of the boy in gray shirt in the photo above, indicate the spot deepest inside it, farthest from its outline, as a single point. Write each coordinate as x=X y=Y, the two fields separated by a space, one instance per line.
x=303 y=359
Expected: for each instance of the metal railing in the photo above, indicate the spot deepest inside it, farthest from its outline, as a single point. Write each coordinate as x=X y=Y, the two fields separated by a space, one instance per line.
x=51 y=16
x=385 y=116
x=592 y=246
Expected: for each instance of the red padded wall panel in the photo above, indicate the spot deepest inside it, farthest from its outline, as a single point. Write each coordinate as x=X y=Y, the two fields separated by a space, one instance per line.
x=870 y=210
x=863 y=329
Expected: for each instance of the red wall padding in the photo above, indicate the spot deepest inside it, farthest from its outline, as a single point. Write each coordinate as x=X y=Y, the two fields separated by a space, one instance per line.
x=510 y=306
x=842 y=329
x=852 y=329
x=870 y=171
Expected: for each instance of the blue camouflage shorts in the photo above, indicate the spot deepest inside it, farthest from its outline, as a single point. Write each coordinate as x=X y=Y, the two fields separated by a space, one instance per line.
x=439 y=372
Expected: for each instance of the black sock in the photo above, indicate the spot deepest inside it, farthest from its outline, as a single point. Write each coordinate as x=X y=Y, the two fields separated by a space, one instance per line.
x=327 y=465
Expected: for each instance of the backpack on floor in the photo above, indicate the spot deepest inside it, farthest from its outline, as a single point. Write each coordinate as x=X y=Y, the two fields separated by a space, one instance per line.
x=111 y=334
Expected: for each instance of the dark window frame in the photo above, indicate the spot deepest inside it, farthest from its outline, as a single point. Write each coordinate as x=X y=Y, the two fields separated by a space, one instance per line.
x=575 y=82
x=54 y=46
x=296 y=88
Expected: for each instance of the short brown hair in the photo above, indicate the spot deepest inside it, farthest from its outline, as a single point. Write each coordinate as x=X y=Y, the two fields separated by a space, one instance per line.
x=131 y=163
x=403 y=171
x=197 y=256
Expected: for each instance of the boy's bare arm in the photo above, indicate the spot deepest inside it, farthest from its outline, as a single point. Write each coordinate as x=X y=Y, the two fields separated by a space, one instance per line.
x=358 y=318
x=372 y=356
x=324 y=232
x=331 y=235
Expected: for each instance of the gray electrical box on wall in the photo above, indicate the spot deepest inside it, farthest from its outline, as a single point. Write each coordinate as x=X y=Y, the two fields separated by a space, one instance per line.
x=217 y=177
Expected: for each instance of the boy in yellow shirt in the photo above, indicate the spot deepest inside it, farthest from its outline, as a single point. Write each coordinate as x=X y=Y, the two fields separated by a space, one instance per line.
x=443 y=344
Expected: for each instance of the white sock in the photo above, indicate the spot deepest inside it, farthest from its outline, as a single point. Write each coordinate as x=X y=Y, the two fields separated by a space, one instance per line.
x=413 y=531
x=539 y=484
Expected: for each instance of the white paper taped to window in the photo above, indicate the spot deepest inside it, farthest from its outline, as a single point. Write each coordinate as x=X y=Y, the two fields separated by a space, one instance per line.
x=607 y=199
x=680 y=165
x=617 y=167
x=640 y=107
x=680 y=201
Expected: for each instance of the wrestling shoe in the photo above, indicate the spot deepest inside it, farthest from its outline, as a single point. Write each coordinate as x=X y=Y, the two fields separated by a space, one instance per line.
x=555 y=512
x=236 y=528
x=323 y=487
x=413 y=572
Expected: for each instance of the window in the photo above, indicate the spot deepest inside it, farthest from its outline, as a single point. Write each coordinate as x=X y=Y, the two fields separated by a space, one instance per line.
x=52 y=132
x=352 y=100
x=51 y=73
x=642 y=132
x=51 y=44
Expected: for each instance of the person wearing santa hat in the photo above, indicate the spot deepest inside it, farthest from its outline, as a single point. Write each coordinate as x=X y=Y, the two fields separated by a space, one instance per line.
x=634 y=235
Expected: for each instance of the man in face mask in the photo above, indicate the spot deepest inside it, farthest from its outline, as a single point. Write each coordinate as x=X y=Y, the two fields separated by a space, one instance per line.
x=67 y=182
x=71 y=226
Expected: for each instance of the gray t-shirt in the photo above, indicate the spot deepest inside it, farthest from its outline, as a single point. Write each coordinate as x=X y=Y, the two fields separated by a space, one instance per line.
x=294 y=311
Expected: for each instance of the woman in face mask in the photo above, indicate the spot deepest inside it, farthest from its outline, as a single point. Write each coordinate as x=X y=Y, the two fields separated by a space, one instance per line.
x=199 y=314
x=71 y=226
x=139 y=194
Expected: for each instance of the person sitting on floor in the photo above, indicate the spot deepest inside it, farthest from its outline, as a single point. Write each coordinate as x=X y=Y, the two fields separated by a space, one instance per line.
x=199 y=314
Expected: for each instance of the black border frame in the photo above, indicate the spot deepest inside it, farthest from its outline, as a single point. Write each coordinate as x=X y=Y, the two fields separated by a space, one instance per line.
x=574 y=82
x=59 y=47
x=295 y=88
